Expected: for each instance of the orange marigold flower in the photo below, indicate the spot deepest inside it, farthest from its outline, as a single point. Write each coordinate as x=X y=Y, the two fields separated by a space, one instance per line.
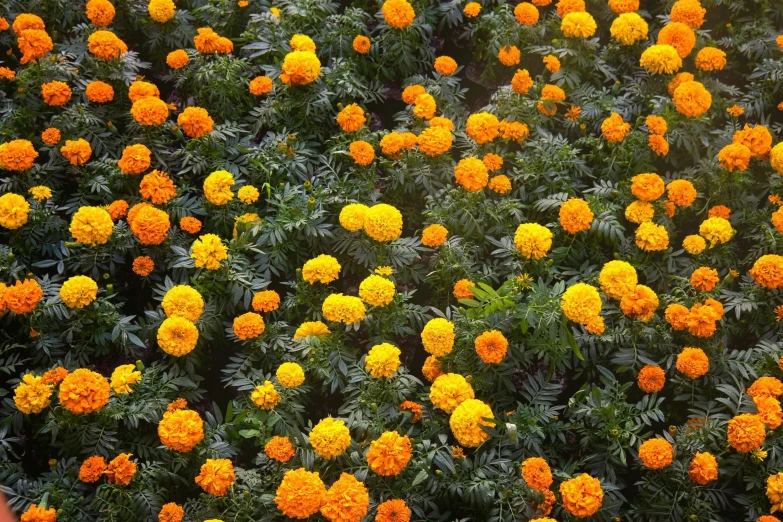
x=151 y=226
x=509 y=55
x=260 y=85
x=195 y=122
x=656 y=125
x=100 y=12
x=614 y=128
x=181 y=430
x=491 y=346
x=681 y=192
x=106 y=45
x=17 y=155
x=92 y=469
x=50 y=136
x=679 y=36
x=54 y=376
x=361 y=44
x=143 y=266
x=279 y=449
x=206 y=41
x=415 y=409
x=118 y=209
x=656 y=453
x=766 y=387
x=216 y=476
x=582 y=496
x=190 y=224
x=692 y=99
x=177 y=59
x=347 y=499
x=157 y=187
x=703 y=468
x=99 y=92
x=710 y=59
x=34 y=44
x=56 y=93
x=693 y=362
x=758 y=139
x=120 y=470
x=432 y=368
x=266 y=301
x=248 y=326
x=575 y=216
x=389 y=454
x=25 y=21
x=135 y=159
x=769 y=411
x=434 y=235
x=658 y=144
x=171 y=512
x=141 y=89
x=767 y=271
x=300 y=494
x=647 y=187
x=394 y=510
x=704 y=279
x=526 y=14
x=640 y=303
x=35 y=513
x=537 y=473
x=149 y=111
x=688 y=12
x=445 y=65
x=351 y=118
x=521 y=82
x=471 y=174
x=22 y=297
x=746 y=432
x=651 y=379
x=398 y=13
x=77 y=152
x=500 y=184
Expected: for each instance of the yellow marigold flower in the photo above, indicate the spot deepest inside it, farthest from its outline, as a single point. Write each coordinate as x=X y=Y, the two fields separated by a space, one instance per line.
x=651 y=379
x=279 y=449
x=424 y=106
x=92 y=469
x=161 y=10
x=614 y=128
x=343 y=309
x=775 y=492
x=575 y=216
x=661 y=59
x=398 y=13
x=33 y=44
x=491 y=346
x=150 y=111
x=300 y=494
x=482 y=127
x=248 y=194
x=580 y=303
x=383 y=223
x=440 y=121
x=445 y=65
x=382 y=360
x=362 y=153
x=431 y=368
x=467 y=420
x=521 y=82
x=640 y=303
x=692 y=99
x=716 y=230
x=746 y=432
x=56 y=93
x=472 y=9
x=351 y=118
x=532 y=240
x=78 y=291
x=617 y=279
x=578 y=25
x=679 y=36
x=703 y=468
x=177 y=59
x=434 y=235
x=536 y=473
x=526 y=14
x=77 y=152
x=217 y=187
x=91 y=226
x=290 y=375
x=582 y=496
x=629 y=28
x=694 y=244
x=623 y=6
x=151 y=226
x=471 y=174
x=509 y=55
x=656 y=453
x=100 y=12
x=123 y=377
x=84 y=391
x=208 y=251
x=106 y=45
x=389 y=454
x=361 y=44
x=322 y=269
x=300 y=68
x=265 y=396
x=693 y=362
x=775 y=157
x=266 y=301
x=710 y=59
x=216 y=476
x=704 y=279
x=195 y=122
x=33 y=394
x=14 y=211
x=302 y=42
x=438 y=336
x=330 y=438
x=177 y=336
x=248 y=326
x=377 y=291
x=435 y=140
x=449 y=391
x=757 y=138
x=652 y=237
x=50 y=136
x=99 y=92
x=351 y=219
x=22 y=297
x=346 y=500
x=17 y=155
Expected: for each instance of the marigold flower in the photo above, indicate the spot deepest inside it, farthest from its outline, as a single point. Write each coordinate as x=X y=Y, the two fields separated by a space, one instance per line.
x=623 y=6
x=521 y=82
x=140 y=89
x=509 y=55
x=656 y=453
x=710 y=59
x=330 y=438
x=692 y=99
x=688 y=12
x=445 y=65
x=532 y=240
x=22 y=297
x=135 y=159
x=679 y=36
x=300 y=494
x=681 y=192
x=343 y=309
x=438 y=336
x=36 y=513
x=395 y=510
x=206 y=41
x=91 y=226
x=265 y=396
x=746 y=432
x=92 y=469
x=195 y=122
x=614 y=128
x=414 y=408
x=735 y=157
x=322 y=269
x=424 y=106
x=647 y=187
x=434 y=235
x=177 y=336
x=582 y=496
x=411 y=92
x=181 y=430
x=766 y=387
x=56 y=93
x=431 y=369
x=662 y=59
x=389 y=454
x=467 y=420
x=266 y=301
x=693 y=362
x=526 y=14
x=471 y=174
x=77 y=152
x=652 y=237
x=106 y=45
x=123 y=377
x=40 y=192
x=14 y=211
x=216 y=476
x=99 y=92
x=143 y=266
x=300 y=68
x=703 y=468
x=617 y=279
x=157 y=187
x=398 y=13
x=346 y=500
x=351 y=118
x=536 y=473
x=171 y=512
x=640 y=303
x=34 y=44
x=704 y=279
x=769 y=410
x=248 y=326
x=150 y=225
x=716 y=230
x=361 y=44
x=575 y=216
x=18 y=155
x=177 y=59
x=84 y=391
x=383 y=223
x=161 y=10
x=100 y=12
x=758 y=139
x=658 y=145
x=449 y=391
x=290 y=375
x=78 y=291
x=435 y=140
x=580 y=303
x=377 y=291
x=775 y=156
x=183 y=301
x=33 y=394
x=55 y=375
x=578 y=25
x=279 y=449
x=150 y=111
x=471 y=10
x=651 y=379
x=311 y=329
x=462 y=289
x=50 y=136
x=208 y=251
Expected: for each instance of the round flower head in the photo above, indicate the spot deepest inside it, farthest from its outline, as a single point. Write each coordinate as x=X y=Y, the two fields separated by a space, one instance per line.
x=693 y=362
x=582 y=496
x=265 y=396
x=640 y=303
x=92 y=469
x=352 y=218
x=346 y=500
x=580 y=303
x=710 y=59
x=467 y=421
x=703 y=468
x=120 y=470
x=614 y=128
x=652 y=237
x=33 y=44
x=17 y=155
x=216 y=476
x=482 y=127
x=248 y=326
x=767 y=271
x=311 y=329
x=32 y=395
x=746 y=432
x=302 y=42
x=491 y=346
x=679 y=36
x=14 y=211
x=382 y=360
x=424 y=106
x=661 y=59
x=656 y=453
x=290 y=375
x=217 y=187
x=351 y=118
x=445 y=65
x=84 y=391
x=105 y=45
x=377 y=291
x=161 y=10
x=578 y=25
x=50 y=136
x=757 y=139
x=195 y=122
x=22 y=297
x=438 y=336
x=389 y=454
x=449 y=391
x=532 y=240
x=56 y=93
x=521 y=82
x=330 y=438
x=383 y=223
x=509 y=55
x=208 y=251
x=394 y=510
x=100 y=12
x=651 y=379
x=99 y=92
x=181 y=430
x=343 y=309
x=266 y=301
x=575 y=216
x=151 y=226
x=526 y=14
x=300 y=494
x=279 y=449
x=177 y=336
x=362 y=153
x=177 y=59
x=77 y=152
x=434 y=235
x=435 y=140
x=300 y=68
x=688 y=12
x=91 y=226
x=623 y=6
x=766 y=387
x=658 y=144
x=123 y=378
x=361 y=44
x=471 y=174
x=323 y=269
x=617 y=279
x=716 y=230
x=78 y=291
x=398 y=13
x=536 y=473
x=150 y=111
x=692 y=99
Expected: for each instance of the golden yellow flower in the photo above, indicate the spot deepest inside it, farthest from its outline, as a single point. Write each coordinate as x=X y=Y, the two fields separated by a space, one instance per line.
x=449 y=391
x=532 y=240
x=216 y=476
x=208 y=251
x=311 y=329
x=330 y=438
x=581 y=302
x=91 y=226
x=323 y=269
x=302 y=42
x=482 y=127
x=661 y=59
x=438 y=336
x=265 y=396
x=300 y=68
x=467 y=421
x=617 y=279
x=383 y=223
x=578 y=25
x=640 y=303
x=692 y=99
x=161 y=10
x=377 y=291
x=652 y=237
x=290 y=375
x=78 y=291
x=33 y=394
x=351 y=118
x=435 y=140
x=123 y=377
x=716 y=230
x=177 y=336
x=14 y=211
